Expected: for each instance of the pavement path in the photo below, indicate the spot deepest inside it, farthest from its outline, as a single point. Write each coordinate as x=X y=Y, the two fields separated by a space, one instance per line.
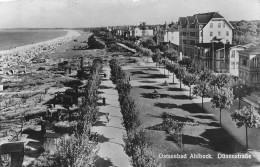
x=111 y=151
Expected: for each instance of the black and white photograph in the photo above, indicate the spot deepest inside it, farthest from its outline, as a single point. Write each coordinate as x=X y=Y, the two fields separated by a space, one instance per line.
x=129 y=83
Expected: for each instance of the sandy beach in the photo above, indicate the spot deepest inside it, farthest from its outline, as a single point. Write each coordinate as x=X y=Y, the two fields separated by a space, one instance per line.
x=21 y=54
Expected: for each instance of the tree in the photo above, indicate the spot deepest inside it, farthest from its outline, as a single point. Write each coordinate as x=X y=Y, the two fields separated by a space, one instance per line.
x=146 y=53
x=75 y=151
x=189 y=79
x=185 y=62
x=202 y=89
x=171 y=67
x=222 y=80
x=157 y=56
x=240 y=91
x=137 y=146
x=247 y=117
x=180 y=72
x=222 y=100
x=205 y=75
x=195 y=68
x=148 y=43
x=171 y=55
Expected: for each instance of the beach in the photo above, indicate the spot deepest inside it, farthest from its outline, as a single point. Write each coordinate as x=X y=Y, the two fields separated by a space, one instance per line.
x=23 y=54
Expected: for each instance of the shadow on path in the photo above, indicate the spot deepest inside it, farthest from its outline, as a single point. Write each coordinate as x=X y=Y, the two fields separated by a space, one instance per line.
x=166 y=105
x=192 y=108
x=149 y=87
x=154 y=76
x=101 y=162
x=99 y=123
x=102 y=139
x=176 y=89
x=221 y=141
x=145 y=81
x=105 y=87
x=138 y=72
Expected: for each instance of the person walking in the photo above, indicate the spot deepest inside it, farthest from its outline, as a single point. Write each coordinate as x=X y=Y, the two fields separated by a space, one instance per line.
x=107 y=117
x=104 y=101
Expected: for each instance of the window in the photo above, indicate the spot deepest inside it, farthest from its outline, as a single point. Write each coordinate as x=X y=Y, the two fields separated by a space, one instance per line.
x=211 y=34
x=219 y=25
x=255 y=78
x=244 y=62
x=227 y=33
x=222 y=65
x=233 y=53
x=184 y=33
x=223 y=25
x=221 y=54
x=211 y=25
x=255 y=62
x=219 y=33
x=184 y=41
x=233 y=65
x=193 y=34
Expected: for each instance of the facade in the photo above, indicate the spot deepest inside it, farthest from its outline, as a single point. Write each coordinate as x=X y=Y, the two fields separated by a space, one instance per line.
x=138 y=32
x=202 y=28
x=249 y=66
x=234 y=59
x=168 y=34
x=214 y=56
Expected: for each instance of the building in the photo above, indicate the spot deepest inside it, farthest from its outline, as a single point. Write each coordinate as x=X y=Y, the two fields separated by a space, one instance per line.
x=234 y=59
x=249 y=66
x=168 y=33
x=214 y=56
x=136 y=32
x=202 y=28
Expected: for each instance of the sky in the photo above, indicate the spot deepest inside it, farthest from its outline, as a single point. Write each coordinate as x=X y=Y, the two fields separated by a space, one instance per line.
x=93 y=13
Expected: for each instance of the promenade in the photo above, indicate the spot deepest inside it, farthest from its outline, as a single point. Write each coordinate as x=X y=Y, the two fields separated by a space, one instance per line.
x=110 y=134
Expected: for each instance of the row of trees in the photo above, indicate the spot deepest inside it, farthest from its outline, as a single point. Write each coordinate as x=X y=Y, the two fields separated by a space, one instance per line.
x=136 y=140
x=223 y=88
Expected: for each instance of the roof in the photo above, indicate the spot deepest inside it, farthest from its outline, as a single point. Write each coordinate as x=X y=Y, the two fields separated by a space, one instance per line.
x=202 y=18
x=217 y=46
x=14 y=147
x=172 y=28
x=182 y=20
x=252 y=50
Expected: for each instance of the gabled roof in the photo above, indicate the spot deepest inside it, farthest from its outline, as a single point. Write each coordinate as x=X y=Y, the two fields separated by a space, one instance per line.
x=202 y=18
x=173 y=28
x=182 y=20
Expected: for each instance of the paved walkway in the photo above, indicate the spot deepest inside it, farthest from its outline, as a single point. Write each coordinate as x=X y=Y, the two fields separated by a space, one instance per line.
x=111 y=151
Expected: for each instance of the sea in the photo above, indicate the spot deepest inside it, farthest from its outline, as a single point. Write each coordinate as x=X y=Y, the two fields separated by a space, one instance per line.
x=12 y=38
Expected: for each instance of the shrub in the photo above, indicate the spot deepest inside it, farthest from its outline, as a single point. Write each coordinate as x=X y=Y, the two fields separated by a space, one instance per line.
x=95 y=43
x=75 y=151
